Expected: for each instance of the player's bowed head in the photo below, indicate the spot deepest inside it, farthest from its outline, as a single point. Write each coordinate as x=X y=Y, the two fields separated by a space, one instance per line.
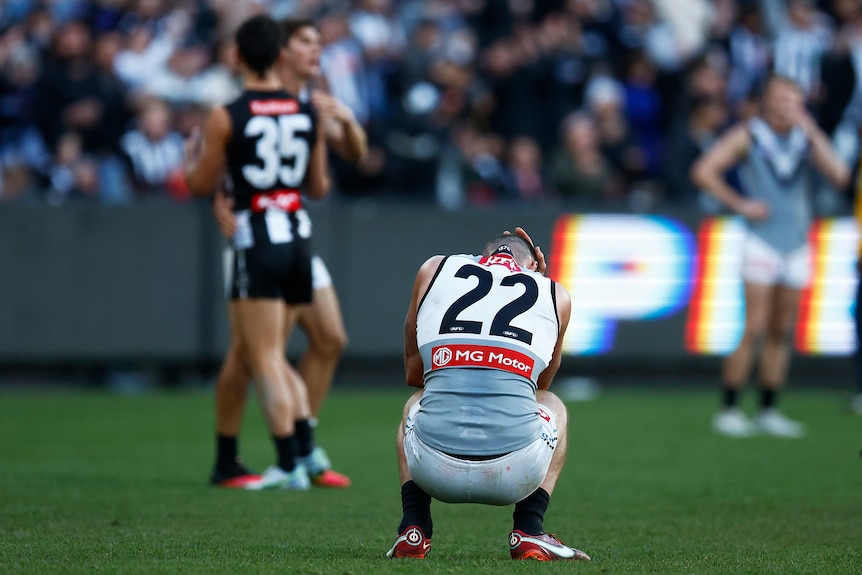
x=522 y=250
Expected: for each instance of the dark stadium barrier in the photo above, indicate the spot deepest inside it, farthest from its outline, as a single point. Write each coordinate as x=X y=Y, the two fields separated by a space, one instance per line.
x=90 y=283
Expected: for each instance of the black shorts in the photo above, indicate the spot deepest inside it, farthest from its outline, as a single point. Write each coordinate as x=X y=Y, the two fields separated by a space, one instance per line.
x=271 y=271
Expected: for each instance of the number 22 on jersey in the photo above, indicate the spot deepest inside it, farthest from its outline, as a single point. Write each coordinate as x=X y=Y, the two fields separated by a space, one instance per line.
x=501 y=324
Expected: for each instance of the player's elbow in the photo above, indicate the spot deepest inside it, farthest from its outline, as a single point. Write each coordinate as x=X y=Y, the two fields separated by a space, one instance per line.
x=357 y=151
x=842 y=177
x=415 y=379
x=196 y=186
x=697 y=174
x=320 y=187
x=414 y=370
x=353 y=155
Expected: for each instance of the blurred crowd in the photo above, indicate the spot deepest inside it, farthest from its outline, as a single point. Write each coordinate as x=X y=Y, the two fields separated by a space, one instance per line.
x=466 y=102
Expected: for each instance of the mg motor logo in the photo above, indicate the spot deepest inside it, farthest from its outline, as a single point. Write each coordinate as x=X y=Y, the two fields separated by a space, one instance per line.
x=442 y=356
x=478 y=355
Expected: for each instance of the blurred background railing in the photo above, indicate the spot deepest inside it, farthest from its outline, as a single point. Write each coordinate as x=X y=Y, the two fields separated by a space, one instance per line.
x=103 y=286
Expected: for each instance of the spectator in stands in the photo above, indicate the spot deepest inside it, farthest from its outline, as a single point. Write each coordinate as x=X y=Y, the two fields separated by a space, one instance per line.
x=22 y=151
x=155 y=152
x=749 y=53
x=118 y=104
x=563 y=66
x=483 y=175
x=218 y=83
x=525 y=173
x=343 y=67
x=142 y=57
x=600 y=23
x=705 y=119
x=373 y=24
x=803 y=37
x=604 y=100
x=633 y=65
x=73 y=175
x=579 y=170
x=840 y=110
x=183 y=80
x=75 y=93
x=643 y=108
x=68 y=89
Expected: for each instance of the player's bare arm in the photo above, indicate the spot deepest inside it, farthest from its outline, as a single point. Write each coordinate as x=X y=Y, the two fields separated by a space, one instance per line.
x=344 y=134
x=823 y=155
x=708 y=173
x=205 y=166
x=317 y=182
x=223 y=213
x=412 y=360
x=564 y=312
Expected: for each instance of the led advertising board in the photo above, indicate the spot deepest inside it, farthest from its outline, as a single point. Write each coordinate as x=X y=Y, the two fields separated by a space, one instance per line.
x=639 y=268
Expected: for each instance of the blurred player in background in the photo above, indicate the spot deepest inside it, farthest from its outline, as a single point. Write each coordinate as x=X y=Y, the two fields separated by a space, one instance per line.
x=856 y=400
x=321 y=320
x=483 y=339
x=775 y=152
x=269 y=143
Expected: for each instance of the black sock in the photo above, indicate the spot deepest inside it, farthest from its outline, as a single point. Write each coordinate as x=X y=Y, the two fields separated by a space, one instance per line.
x=416 y=505
x=284 y=450
x=767 y=398
x=529 y=515
x=227 y=455
x=304 y=437
x=730 y=396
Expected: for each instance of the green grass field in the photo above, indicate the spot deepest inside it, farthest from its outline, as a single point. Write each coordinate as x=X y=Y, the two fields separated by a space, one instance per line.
x=91 y=482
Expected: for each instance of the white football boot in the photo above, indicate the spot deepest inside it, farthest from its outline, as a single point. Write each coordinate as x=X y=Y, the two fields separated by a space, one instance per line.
x=773 y=422
x=733 y=423
x=277 y=478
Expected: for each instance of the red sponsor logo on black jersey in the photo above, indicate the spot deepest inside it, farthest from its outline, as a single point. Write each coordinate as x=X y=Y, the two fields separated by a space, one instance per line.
x=284 y=200
x=467 y=355
x=273 y=107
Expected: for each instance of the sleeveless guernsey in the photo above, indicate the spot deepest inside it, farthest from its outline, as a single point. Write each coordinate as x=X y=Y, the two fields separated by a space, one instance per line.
x=486 y=330
x=268 y=157
x=777 y=172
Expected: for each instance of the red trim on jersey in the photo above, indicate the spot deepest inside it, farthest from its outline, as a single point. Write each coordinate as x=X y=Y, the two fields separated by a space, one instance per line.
x=284 y=200
x=273 y=107
x=501 y=260
x=469 y=355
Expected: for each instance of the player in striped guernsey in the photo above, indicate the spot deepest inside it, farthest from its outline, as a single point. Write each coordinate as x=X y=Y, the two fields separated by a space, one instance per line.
x=268 y=143
x=321 y=321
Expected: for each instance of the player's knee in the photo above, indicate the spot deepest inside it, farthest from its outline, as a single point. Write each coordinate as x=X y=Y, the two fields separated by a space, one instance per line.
x=782 y=335
x=556 y=405
x=754 y=331
x=237 y=350
x=264 y=361
x=330 y=344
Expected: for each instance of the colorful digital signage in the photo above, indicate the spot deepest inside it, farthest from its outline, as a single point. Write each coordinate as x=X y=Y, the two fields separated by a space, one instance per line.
x=621 y=268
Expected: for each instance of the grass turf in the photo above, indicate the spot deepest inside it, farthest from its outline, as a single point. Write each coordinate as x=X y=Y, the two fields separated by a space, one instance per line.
x=95 y=482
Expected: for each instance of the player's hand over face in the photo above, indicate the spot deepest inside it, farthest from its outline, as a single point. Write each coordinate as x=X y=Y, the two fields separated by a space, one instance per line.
x=223 y=212
x=754 y=211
